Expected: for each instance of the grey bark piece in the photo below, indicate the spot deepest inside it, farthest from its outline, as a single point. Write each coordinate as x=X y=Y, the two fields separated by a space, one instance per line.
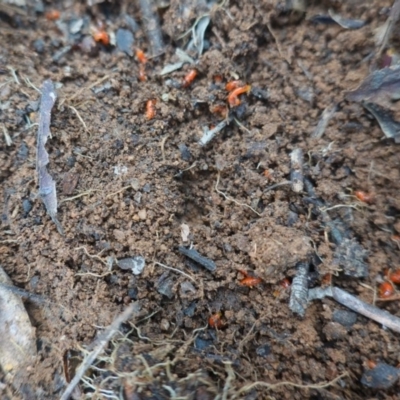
x=299 y=291
x=47 y=186
x=197 y=257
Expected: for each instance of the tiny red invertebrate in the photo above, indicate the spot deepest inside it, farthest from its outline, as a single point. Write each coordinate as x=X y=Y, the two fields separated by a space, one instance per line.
x=233 y=98
x=218 y=78
x=385 y=290
x=189 y=78
x=395 y=276
x=364 y=197
x=141 y=56
x=215 y=321
x=285 y=283
x=150 y=109
x=248 y=280
x=102 y=37
x=52 y=15
x=232 y=85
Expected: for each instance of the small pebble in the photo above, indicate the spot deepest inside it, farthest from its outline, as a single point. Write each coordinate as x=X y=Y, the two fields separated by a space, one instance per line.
x=125 y=41
x=264 y=350
x=39 y=46
x=27 y=206
x=136 y=264
x=164 y=324
x=344 y=317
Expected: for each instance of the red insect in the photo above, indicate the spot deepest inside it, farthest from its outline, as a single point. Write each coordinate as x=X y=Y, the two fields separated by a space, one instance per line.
x=232 y=85
x=141 y=56
x=189 y=78
x=248 y=280
x=215 y=321
x=233 y=98
x=364 y=197
x=150 y=108
x=385 y=290
x=52 y=15
x=395 y=276
x=101 y=36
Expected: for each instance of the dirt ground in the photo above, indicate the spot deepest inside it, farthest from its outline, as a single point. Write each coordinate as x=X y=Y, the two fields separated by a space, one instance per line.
x=129 y=185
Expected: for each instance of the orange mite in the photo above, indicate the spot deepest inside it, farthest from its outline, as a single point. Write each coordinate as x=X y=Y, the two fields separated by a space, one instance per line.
x=142 y=73
x=395 y=276
x=102 y=37
x=218 y=78
x=232 y=85
x=150 y=109
x=141 y=56
x=189 y=78
x=363 y=196
x=385 y=290
x=52 y=15
x=233 y=98
x=215 y=321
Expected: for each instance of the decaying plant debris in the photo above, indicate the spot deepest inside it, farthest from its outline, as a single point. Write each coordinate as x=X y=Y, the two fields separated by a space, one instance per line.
x=209 y=159
x=47 y=185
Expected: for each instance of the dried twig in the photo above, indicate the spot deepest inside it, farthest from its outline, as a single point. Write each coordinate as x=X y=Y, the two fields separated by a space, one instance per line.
x=354 y=303
x=210 y=134
x=98 y=348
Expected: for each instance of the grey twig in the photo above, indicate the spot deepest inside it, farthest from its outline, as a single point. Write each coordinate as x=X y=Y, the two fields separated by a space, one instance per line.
x=354 y=303
x=210 y=134
x=101 y=343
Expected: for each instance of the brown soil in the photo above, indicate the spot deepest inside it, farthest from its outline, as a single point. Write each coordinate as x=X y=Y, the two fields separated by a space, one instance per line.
x=141 y=179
